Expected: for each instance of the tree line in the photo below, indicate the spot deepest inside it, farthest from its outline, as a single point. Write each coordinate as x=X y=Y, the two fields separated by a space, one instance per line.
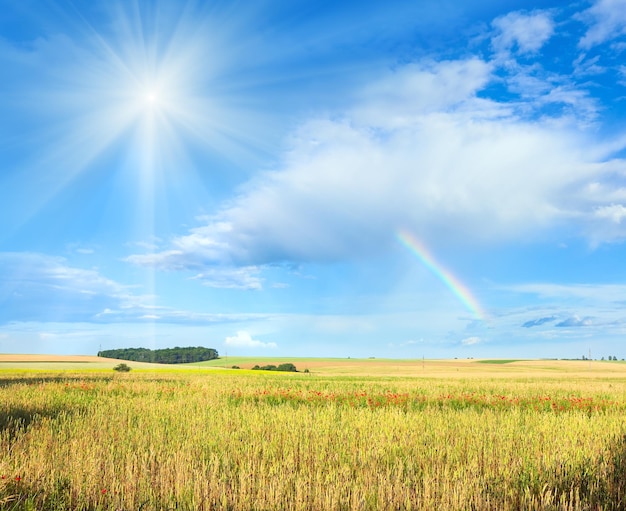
x=163 y=356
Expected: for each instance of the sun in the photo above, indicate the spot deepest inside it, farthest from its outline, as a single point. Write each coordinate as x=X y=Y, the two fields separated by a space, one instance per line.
x=151 y=98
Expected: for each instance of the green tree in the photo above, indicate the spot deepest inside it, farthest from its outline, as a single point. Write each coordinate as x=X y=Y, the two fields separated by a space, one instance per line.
x=289 y=367
x=162 y=356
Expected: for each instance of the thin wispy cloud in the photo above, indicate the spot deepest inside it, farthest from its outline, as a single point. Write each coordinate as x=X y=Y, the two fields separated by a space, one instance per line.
x=574 y=321
x=40 y=287
x=606 y=20
x=232 y=278
x=538 y=322
x=471 y=341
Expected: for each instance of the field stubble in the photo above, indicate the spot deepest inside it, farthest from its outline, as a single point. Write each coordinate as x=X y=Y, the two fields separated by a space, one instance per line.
x=238 y=440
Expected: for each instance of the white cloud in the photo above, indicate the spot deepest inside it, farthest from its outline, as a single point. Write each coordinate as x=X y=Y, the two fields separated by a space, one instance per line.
x=517 y=39
x=440 y=178
x=538 y=90
x=584 y=66
x=615 y=213
x=394 y=100
x=606 y=19
x=607 y=224
x=522 y=33
x=470 y=341
x=244 y=340
x=419 y=150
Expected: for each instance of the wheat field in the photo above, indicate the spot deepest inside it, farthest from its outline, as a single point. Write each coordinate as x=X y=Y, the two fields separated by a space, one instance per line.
x=250 y=440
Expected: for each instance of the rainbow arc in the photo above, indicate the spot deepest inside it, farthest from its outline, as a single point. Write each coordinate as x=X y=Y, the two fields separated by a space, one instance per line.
x=454 y=284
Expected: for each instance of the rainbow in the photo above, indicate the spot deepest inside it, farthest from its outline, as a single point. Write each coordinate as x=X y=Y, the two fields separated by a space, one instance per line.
x=457 y=287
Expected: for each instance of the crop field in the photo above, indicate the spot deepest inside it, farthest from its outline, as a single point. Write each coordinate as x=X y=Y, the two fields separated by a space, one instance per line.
x=422 y=435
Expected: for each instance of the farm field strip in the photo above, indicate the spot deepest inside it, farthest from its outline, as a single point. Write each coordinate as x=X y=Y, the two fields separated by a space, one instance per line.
x=400 y=368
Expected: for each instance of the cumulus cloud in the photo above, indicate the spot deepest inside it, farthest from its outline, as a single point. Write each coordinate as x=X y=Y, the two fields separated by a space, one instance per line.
x=244 y=340
x=420 y=149
x=606 y=20
x=394 y=100
x=615 y=213
x=522 y=32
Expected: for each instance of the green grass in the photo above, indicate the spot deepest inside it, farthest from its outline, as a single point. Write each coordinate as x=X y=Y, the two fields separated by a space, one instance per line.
x=499 y=361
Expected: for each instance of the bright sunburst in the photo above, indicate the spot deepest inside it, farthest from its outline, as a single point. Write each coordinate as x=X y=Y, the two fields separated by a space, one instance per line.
x=151 y=85
x=152 y=98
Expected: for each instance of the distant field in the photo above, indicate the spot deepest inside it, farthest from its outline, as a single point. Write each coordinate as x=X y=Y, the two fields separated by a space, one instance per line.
x=418 y=368
x=461 y=368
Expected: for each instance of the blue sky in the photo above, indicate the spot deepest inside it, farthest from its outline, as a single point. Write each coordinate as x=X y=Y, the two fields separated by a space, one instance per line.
x=288 y=178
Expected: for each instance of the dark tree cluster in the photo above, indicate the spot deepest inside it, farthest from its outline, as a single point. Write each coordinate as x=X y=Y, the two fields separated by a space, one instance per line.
x=163 y=356
x=289 y=367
